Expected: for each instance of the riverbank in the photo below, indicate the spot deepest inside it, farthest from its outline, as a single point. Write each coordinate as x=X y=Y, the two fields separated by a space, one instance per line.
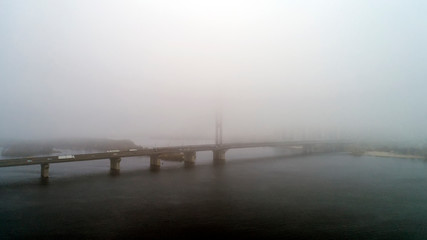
x=391 y=155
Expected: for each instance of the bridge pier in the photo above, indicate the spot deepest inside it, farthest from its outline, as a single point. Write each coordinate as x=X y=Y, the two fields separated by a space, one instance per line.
x=189 y=159
x=219 y=156
x=115 y=166
x=307 y=149
x=44 y=170
x=155 y=162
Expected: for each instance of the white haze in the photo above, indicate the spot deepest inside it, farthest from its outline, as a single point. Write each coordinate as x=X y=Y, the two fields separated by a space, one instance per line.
x=129 y=69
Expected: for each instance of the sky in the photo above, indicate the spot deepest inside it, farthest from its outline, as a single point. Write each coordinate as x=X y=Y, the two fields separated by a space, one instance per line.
x=275 y=69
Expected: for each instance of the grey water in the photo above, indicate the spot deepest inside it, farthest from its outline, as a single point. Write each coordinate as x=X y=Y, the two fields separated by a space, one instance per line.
x=254 y=195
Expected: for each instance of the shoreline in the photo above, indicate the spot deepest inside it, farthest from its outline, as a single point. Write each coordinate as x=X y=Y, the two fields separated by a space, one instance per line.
x=391 y=155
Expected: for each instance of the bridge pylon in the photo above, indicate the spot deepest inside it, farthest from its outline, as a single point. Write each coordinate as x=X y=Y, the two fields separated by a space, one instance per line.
x=218 y=128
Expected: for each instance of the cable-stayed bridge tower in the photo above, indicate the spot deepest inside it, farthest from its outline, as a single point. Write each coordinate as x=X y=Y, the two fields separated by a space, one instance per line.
x=218 y=128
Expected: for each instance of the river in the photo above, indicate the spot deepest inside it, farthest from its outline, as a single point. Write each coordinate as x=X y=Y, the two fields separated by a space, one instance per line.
x=254 y=195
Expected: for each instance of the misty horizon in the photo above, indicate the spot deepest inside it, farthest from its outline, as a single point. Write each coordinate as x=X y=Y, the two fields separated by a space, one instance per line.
x=277 y=69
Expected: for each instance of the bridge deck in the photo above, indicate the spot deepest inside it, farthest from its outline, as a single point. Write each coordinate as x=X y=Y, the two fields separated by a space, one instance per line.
x=144 y=152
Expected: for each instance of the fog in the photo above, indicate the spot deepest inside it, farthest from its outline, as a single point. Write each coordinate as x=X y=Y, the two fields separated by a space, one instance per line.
x=275 y=69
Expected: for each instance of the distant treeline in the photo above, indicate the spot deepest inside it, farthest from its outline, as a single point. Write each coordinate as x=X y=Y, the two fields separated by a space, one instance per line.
x=32 y=148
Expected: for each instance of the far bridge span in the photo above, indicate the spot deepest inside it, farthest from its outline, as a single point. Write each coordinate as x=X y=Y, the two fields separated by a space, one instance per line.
x=187 y=152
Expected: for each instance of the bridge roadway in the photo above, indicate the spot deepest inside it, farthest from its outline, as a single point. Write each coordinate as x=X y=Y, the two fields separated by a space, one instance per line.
x=188 y=152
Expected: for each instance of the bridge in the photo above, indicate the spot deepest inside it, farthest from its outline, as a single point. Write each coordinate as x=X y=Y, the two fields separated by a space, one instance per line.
x=187 y=152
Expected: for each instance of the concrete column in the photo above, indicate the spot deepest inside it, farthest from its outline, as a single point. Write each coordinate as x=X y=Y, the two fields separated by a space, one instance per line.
x=154 y=162
x=219 y=156
x=189 y=159
x=44 y=170
x=115 y=166
x=334 y=147
x=307 y=149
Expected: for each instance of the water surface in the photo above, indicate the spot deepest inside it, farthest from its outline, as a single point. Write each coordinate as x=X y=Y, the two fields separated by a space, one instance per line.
x=333 y=196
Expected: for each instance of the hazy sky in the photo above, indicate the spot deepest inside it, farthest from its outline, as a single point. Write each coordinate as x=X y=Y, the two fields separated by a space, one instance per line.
x=126 y=69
